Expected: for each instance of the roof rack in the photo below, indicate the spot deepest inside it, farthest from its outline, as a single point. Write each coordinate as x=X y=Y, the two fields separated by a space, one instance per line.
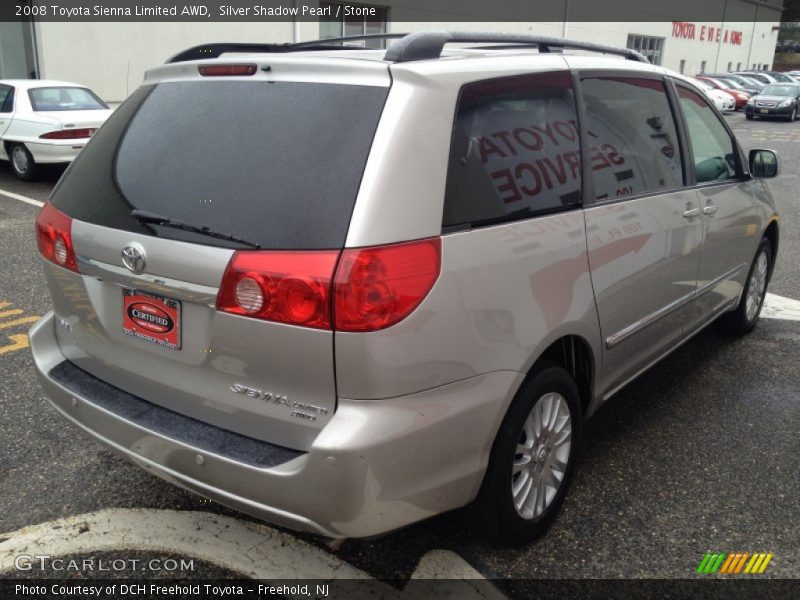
x=429 y=44
x=409 y=47
x=216 y=50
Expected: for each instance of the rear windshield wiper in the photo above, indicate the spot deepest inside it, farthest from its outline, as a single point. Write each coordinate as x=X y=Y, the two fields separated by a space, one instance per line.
x=162 y=221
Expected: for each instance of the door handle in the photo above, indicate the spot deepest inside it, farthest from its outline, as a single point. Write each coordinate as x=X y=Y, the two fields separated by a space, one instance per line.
x=710 y=209
x=691 y=213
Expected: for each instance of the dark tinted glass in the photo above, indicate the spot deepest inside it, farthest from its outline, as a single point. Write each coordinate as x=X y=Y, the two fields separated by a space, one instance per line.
x=6 y=99
x=712 y=146
x=634 y=145
x=515 y=151
x=278 y=164
x=64 y=98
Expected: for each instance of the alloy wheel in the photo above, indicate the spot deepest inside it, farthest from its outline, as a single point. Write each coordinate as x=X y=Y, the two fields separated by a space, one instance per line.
x=542 y=455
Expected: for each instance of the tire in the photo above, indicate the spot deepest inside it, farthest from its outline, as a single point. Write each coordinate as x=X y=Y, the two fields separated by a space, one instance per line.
x=22 y=162
x=500 y=519
x=793 y=114
x=745 y=316
x=748 y=117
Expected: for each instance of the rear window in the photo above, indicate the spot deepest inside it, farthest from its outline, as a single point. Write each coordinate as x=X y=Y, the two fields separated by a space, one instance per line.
x=64 y=98
x=278 y=164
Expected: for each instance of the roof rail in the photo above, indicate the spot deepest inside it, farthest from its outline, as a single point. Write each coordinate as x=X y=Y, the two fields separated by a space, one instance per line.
x=429 y=44
x=216 y=50
x=409 y=47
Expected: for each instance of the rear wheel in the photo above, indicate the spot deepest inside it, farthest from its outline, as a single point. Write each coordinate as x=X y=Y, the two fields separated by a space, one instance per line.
x=22 y=162
x=745 y=316
x=532 y=459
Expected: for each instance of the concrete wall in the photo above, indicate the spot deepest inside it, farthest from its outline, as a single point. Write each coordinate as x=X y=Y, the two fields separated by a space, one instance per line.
x=111 y=58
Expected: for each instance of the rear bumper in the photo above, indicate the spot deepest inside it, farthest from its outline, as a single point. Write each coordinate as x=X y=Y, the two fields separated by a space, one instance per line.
x=376 y=466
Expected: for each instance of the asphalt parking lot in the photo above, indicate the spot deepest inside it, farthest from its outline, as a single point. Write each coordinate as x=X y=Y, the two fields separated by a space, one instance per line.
x=698 y=455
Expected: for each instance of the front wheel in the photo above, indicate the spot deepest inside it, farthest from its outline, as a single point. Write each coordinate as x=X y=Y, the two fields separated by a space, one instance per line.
x=748 y=116
x=742 y=319
x=22 y=163
x=532 y=460
x=793 y=115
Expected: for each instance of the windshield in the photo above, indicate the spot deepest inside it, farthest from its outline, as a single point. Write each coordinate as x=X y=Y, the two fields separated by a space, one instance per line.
x=781 y=90
x=64 y=98
x=703 y=85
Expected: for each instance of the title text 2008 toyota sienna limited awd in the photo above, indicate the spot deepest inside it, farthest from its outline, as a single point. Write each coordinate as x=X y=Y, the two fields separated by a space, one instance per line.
x=348 y=289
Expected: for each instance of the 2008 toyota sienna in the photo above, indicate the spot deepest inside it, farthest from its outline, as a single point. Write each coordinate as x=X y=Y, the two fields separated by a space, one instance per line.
x=347 y=289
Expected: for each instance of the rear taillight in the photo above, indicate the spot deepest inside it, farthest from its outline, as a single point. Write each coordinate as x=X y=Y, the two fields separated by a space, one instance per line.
x=371 y=289
x=378 y=287
x=54 y=236
x=226 y=70
x=68 y=134
x=287 y=287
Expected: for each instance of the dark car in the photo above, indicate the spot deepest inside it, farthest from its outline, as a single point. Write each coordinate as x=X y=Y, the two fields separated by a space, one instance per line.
x=775 y=100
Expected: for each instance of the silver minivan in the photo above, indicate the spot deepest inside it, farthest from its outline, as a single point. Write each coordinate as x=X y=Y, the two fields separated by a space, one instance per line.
x=347 y=289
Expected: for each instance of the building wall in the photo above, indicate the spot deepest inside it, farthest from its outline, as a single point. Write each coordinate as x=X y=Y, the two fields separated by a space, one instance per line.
x=111 y=58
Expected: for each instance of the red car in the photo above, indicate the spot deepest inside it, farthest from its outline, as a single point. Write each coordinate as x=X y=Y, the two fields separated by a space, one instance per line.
x=740 y=96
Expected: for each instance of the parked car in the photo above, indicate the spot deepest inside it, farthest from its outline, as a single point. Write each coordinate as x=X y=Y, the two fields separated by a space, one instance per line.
x=398 y=285
x=749 y=83
x=780 y=76
x=737 y=82
x=724 y=101
x=775 y=100
x=740 y=97
x=46 y=122
x=761 y=76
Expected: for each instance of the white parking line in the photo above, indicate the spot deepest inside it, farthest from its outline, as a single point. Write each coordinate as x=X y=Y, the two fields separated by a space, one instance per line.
x=778 y=307
x=251 y=549
x=22 y=198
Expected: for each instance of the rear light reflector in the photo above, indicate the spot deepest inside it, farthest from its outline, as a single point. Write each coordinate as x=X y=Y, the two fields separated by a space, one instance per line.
x=370 y=289
x=54 y=237
x=226 y=70
x=378 y=287
x=284 y=286
x=68 y=134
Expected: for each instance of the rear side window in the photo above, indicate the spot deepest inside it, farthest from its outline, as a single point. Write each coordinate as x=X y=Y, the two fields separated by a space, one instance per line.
x=515 y=151
x=278 y=164
x=633 y=142
x=6 y=99
x=64 y=98
x=713 y=148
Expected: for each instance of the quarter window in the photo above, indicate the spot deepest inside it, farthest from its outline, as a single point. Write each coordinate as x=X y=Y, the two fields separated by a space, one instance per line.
x=633 y=142
x=713 y=148
x=515 y=151
x=6 y=99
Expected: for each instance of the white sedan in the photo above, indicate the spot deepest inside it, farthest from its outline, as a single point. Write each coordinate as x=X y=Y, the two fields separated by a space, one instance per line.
x=46 y=122
x=722 y=100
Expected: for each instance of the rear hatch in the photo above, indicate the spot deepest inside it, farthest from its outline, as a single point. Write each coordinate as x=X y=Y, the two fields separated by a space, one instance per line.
x=269 y=164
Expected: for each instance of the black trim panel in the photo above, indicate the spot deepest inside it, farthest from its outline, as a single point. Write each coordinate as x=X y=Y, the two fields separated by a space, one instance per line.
x=169 y=424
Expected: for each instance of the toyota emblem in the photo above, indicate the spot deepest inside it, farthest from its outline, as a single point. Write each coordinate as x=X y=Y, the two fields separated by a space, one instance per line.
x=133 y=257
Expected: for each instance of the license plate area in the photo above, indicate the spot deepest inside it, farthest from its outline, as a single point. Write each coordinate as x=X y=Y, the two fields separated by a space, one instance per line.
x=152 y=318
x=764 y=111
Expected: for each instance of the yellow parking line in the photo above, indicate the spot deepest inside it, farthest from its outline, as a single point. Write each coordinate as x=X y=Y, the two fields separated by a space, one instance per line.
x=22 y=321
x=20 y=341
x=10 y=313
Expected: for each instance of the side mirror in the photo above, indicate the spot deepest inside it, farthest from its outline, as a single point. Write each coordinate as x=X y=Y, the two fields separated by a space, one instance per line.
x=763 y=163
